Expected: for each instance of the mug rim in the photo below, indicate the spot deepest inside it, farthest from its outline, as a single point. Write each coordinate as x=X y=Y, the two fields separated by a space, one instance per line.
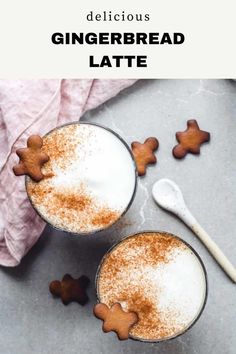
x=191 y=324
x=90 y=233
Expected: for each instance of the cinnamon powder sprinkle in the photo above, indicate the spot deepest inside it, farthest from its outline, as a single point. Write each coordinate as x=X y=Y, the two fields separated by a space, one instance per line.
x=71 y=210
x=105 y=216
x=72 y=201
x=60 y=147
x=121 y=279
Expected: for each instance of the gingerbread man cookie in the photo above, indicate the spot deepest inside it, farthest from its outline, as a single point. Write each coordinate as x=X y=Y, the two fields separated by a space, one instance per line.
x=190 y=140
x=32 y=159
x=115 y=319
x=70 y=289
x=144 y=154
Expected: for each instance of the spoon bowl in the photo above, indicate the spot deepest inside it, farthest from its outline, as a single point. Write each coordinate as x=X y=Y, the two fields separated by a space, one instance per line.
x=168 y=195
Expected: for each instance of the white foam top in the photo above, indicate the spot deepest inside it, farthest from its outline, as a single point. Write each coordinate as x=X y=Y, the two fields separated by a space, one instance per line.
x=180 y=286
x=100 y=162
x=103 y=164
x=163 y=283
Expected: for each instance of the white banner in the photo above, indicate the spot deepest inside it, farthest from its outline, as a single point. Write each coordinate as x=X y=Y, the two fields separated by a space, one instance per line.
x=124 y=39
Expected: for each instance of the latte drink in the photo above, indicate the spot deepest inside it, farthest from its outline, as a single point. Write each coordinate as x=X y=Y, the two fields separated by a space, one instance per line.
x=158 y=276
x=90 y=179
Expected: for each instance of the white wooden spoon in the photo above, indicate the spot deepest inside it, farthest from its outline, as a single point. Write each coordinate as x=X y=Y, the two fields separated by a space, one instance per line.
x=168 y=195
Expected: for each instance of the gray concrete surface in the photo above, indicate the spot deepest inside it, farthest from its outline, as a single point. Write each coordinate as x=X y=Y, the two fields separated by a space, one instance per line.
x=31 y=321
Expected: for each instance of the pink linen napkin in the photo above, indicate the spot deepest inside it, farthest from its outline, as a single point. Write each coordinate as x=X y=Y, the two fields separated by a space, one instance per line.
x=35 y=107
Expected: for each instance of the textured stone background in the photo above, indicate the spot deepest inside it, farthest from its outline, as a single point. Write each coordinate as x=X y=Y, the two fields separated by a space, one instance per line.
x=31 y=321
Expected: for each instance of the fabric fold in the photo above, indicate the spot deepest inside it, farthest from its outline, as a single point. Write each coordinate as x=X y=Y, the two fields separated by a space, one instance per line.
x=35 y=107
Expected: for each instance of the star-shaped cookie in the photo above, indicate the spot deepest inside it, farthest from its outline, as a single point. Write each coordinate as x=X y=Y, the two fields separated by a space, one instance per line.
x=115 y=319
x=70 y=289
x=190 y=140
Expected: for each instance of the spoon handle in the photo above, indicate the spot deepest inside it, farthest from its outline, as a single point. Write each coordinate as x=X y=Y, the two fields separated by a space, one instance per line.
x=215 y=251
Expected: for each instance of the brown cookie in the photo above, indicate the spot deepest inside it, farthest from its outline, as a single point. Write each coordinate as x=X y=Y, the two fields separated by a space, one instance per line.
x=70 y=289
x=190 y=140
x=144 y=154
x=32 y=159
x=115 y=319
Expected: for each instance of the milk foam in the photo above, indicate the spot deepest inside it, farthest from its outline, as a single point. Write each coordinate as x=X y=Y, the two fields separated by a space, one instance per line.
x=103 y=164
x=172 y=285
x=100 y=163
x=180 y=286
